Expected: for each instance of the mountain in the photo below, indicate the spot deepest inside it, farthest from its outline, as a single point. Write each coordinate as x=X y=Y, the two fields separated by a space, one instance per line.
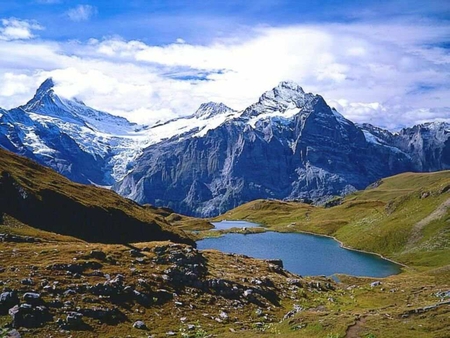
x=39 y=198
x=83 y=144
x=288 y=145
x=87 y=145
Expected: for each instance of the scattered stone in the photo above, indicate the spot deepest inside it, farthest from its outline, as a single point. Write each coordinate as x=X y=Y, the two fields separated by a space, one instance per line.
x=248 y=292
x=374 y=284
x=17 y=239
x=443 y=294
x=97 y=254
x=140 y=325
x=74 y=319
x=135 y=253
x=32 y=298
x=7 y=301
x=294 y=281
x=28 y=316
x=76 y=267
x=13 y=334
x=277 y=262
x=69 y=292
x=424 y=195
x=27 y=281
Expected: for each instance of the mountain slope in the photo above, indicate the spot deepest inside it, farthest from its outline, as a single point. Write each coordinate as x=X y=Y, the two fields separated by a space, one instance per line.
x=43 y=199
x=405 y=217
x=288 y=145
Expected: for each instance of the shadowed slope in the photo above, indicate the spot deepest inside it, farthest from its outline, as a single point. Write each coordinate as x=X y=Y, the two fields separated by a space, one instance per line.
x=43 y=199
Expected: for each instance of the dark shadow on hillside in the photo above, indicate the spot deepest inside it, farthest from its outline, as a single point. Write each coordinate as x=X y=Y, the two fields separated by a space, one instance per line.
x=56 y=212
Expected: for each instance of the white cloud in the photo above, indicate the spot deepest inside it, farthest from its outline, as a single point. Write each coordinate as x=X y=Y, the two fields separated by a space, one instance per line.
x=15 y=29
x=387 y=74
x=81 y=13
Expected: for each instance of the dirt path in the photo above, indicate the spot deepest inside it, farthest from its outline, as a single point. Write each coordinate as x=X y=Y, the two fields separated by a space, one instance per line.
x=417 y=228
x=354 y=331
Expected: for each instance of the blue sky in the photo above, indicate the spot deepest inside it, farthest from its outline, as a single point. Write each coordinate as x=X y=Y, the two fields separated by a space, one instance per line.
x=384 y=62
x=162 y=22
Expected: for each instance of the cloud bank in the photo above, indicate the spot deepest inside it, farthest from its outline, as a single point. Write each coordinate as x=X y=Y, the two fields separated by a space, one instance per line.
x=14 y=29
x=388 y=74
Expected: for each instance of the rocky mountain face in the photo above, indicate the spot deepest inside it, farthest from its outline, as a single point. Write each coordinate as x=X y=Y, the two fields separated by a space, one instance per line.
x=288 y=145
x=83 y=144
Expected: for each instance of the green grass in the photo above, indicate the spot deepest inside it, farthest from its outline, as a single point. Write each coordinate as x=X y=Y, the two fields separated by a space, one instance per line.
x=379 y=220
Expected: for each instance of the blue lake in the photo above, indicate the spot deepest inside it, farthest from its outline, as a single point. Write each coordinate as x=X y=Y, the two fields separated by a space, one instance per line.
x=233 y=224
x=303 y=254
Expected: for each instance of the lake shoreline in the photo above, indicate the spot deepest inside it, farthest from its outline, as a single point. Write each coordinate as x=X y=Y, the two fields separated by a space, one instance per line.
x=353 y=249
x=342 y=245
x=260 y=229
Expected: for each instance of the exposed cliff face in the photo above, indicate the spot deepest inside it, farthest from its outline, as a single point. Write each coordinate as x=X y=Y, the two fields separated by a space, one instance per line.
x=428 y=144
x=297 y=147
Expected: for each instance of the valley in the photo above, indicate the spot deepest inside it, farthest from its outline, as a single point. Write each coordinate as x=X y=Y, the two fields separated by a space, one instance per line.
x=224 y=169
x=55 y=283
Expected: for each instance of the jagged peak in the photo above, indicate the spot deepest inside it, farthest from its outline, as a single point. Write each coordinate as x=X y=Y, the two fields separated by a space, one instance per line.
x=290 y=85
x=45 y=87
x=286 y=93
x=209 y=109
x=434 y=125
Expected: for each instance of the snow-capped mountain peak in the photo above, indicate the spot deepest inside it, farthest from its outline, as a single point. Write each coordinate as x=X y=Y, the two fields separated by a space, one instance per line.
x=44 y=90
x=211 y=109
x=286 y=96
x=45 y=87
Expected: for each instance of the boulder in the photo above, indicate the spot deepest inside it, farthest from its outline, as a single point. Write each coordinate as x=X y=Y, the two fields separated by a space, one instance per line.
x=7 y=301
x=140 y=325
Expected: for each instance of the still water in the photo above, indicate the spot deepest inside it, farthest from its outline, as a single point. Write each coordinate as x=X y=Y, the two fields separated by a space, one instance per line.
x=303 y=254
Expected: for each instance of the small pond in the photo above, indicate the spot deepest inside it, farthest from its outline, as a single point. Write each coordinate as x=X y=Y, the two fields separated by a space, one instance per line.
x=303 y=254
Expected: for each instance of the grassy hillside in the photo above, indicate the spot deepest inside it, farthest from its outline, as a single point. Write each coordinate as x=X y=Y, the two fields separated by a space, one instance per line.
x=404 y=217
x=41 y=199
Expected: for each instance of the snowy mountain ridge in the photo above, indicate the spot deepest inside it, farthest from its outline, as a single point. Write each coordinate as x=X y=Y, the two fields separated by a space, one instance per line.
x=294 y=131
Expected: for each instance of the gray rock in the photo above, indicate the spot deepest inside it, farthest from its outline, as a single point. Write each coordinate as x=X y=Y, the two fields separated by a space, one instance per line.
x=374 y=284
x=140 y=325
x=27 y=281
x=74 y=319
x=32 y=298
x=13 y=334
x=29 y=316
x=7 y=301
